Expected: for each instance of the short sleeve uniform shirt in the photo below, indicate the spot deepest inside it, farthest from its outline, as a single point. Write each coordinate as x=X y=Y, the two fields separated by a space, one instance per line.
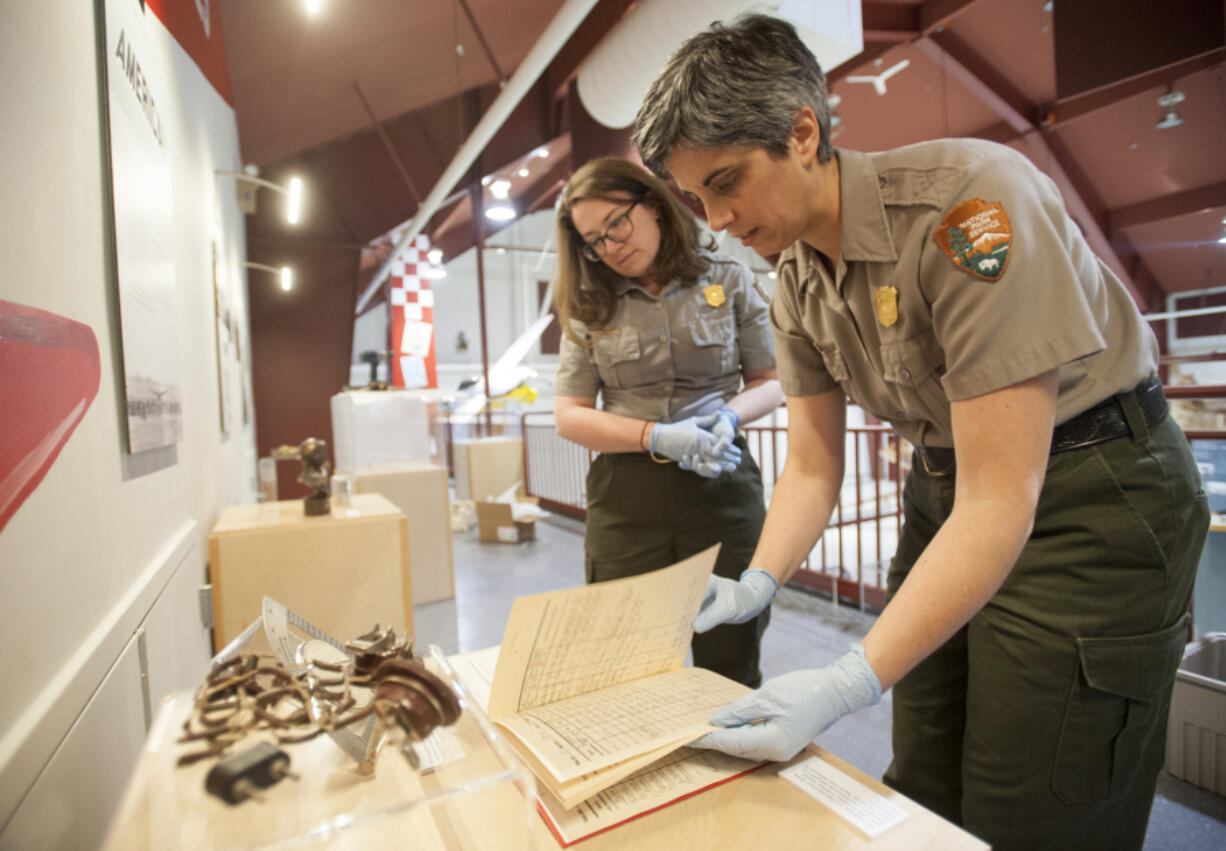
x=960 y=274
x=675 y=355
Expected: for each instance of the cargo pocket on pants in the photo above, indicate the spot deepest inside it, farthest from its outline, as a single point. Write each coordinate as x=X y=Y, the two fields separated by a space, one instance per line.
x=1119 y=696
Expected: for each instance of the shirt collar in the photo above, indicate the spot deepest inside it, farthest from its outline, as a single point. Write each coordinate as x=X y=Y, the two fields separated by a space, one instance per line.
x=624 y=285
x=865 y=231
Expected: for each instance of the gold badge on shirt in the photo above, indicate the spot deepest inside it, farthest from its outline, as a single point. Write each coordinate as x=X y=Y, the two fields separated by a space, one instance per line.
x=714 y=295
x=887 y=305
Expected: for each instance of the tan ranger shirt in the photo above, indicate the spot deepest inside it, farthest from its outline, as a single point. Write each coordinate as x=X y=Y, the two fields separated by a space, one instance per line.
x=960 y=274
x=672 y=356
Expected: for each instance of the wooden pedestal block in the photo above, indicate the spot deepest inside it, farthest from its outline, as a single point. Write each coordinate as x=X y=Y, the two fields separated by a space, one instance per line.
x=486 y=466
x=420 y=491
x=343 y=572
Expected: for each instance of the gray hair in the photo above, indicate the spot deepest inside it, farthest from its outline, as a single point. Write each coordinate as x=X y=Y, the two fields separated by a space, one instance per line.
x=733 y=86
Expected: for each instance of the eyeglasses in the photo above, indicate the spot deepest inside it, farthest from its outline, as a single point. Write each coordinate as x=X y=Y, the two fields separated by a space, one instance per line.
x=618 y=231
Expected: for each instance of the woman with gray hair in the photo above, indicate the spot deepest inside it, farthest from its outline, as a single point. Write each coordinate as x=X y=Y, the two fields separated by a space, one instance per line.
x=665 y=332
x=1053 y=514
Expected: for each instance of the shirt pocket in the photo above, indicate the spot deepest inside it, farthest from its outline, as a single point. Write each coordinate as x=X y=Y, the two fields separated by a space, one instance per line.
x=712 y=339
x=912 y=370
x=617 y=358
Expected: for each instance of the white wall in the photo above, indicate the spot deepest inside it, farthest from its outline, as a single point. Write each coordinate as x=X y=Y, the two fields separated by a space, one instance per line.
x=86 y=559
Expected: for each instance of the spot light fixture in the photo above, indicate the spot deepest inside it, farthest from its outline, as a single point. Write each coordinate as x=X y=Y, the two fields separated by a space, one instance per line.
x=249 y=181
x=1169 y=103
x=284 y=273
x=500 y=189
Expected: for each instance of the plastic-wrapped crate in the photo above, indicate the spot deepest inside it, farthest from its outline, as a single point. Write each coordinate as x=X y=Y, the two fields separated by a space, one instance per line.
x=1196 y=735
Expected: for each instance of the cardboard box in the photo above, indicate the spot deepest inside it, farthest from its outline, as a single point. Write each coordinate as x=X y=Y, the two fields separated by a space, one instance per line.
x=343 y=572
x=486 y=466
x=420 y=491
x=495 y=524
x=1197 y=725
x=379 y=427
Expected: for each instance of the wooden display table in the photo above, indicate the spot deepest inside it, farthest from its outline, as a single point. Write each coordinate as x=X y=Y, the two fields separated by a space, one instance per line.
x=420 y=491
x=344 y=572
x=333 y=806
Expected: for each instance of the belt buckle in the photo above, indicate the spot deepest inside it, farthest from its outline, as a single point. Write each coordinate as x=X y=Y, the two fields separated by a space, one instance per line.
x=936 y=473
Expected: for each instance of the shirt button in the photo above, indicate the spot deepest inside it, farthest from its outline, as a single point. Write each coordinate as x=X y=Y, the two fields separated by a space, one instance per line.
x=904 y=374
x=658 y=305
x=663 y=338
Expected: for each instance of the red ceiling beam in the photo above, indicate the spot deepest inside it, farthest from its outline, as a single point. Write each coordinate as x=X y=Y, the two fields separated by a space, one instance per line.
x=1081 y=105
x=1167 y=207
x=888 y=24
x=1055 y=161
x=936 y=15
x=984 y=80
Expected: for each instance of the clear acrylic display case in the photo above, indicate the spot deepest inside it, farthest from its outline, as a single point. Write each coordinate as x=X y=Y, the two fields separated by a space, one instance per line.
x=478 y=796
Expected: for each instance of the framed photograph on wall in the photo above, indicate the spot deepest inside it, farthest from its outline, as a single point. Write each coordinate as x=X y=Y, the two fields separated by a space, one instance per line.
x=137 y=92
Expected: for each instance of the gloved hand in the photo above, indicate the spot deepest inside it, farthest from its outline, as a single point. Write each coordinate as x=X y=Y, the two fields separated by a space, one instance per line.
x=728 y=601
x=689 y=438
x=724 y=457
x=709 y=468
x=795 y=709
x=727 y=421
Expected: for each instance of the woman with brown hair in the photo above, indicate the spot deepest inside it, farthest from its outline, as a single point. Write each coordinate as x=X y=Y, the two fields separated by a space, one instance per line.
x=674 y=340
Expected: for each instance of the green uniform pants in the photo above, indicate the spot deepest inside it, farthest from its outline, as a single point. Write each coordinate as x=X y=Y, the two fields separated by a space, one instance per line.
x=1042 y=723
x=642 y=516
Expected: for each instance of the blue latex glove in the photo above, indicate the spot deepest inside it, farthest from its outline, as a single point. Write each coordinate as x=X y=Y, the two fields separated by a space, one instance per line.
x=724 y=457
x=727 y=601
x=710 y=467
x=727 y=421
x=689 y=438
x=794 y=708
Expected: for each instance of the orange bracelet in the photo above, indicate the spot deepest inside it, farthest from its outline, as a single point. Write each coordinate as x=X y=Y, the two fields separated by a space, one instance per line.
x=643 y=435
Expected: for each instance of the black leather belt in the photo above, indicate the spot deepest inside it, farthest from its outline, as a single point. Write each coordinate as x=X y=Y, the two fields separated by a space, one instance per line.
x=1105 y=421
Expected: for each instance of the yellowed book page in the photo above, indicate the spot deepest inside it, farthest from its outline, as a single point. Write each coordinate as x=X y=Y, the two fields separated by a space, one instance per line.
x=681 y=773
x=573 y=792
x=475 y=669
x=566 y=643
x=593 y=731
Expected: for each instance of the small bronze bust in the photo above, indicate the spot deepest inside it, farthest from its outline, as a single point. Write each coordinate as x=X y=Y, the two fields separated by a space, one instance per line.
x=313 y=453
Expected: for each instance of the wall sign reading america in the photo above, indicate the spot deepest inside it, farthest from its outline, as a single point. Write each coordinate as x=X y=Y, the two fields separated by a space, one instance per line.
x=136 y=95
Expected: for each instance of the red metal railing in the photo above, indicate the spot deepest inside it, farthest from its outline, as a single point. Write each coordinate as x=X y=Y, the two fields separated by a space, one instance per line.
x=851 y=557
x=853 y=554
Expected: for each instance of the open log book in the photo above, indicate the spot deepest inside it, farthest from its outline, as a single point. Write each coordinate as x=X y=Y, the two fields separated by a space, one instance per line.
x=589 y=685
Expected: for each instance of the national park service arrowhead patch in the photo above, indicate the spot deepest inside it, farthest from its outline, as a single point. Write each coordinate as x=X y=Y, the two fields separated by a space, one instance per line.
x=976 y=235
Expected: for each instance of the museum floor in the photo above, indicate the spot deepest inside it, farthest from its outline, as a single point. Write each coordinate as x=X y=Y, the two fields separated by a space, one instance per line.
x=805 y=631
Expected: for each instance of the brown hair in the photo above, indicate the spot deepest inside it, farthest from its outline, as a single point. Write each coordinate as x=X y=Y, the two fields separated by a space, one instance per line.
x=585 y=289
